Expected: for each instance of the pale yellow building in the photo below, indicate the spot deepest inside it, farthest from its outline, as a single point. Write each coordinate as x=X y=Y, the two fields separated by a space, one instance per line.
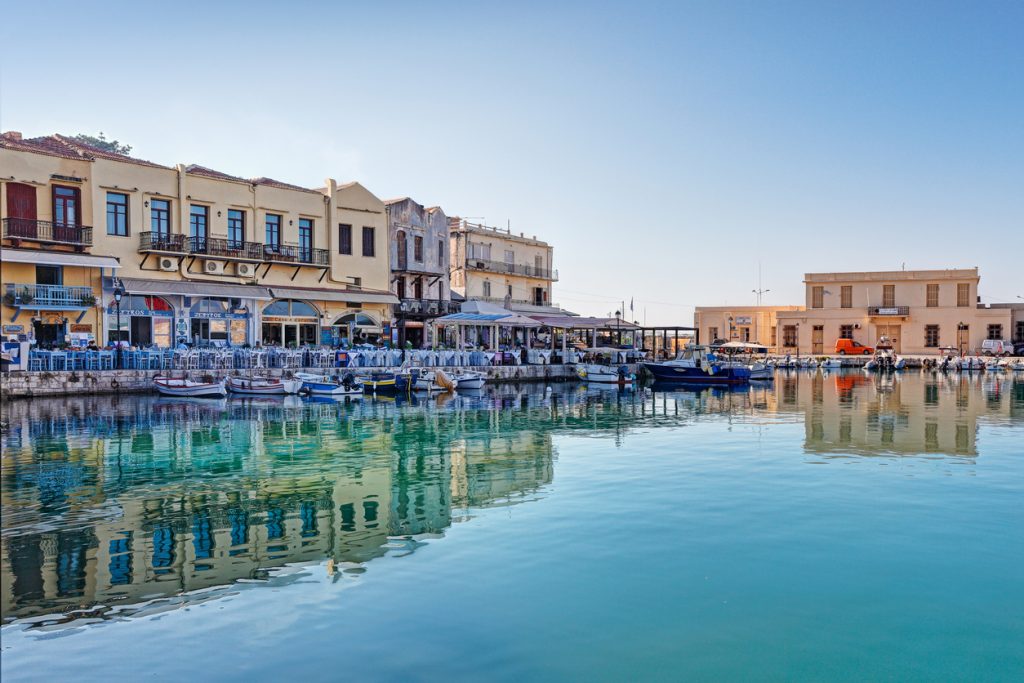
x=919 y=311
x=200 y=255
x=497 y=266
x=754 y=324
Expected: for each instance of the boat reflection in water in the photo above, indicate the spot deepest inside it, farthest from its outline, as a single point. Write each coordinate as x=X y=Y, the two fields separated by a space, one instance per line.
x=118 y=506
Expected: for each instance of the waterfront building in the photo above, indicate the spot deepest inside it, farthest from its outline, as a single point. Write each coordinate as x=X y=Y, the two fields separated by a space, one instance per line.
x=497 y=266
x=754 y=324
x=919 y=311
x=197 y=255
x=419 y=267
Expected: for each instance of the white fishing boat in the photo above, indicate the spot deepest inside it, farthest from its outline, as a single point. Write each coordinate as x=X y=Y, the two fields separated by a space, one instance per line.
x=604 y=374
x=831 y=363
x=469 y=379
x=432 y=380
x=186 y=388
x=263 y=386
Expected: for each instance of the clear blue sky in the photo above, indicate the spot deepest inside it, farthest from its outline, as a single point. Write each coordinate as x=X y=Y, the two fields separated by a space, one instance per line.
x=664 y=149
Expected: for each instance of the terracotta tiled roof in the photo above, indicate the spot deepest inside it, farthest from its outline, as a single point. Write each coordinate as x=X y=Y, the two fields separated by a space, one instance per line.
x=96 y=153
x=270 y=182
x=68 y=148
x=196 y=169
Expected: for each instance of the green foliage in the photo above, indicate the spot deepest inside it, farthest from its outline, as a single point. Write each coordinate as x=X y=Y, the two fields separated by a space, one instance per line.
x=103 y=143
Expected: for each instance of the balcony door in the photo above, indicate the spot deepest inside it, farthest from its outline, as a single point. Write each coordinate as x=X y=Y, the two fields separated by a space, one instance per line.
x=21 y=210
x=818 y=339
x=402 y=251
x=67 y=213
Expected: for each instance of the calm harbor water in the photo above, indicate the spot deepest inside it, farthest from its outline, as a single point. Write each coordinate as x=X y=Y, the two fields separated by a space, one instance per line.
x=838 y=527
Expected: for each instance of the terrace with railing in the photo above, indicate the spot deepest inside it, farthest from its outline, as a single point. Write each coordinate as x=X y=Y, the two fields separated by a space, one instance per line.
x=428 y=307
x=523 y=269
x=291 y=253
x=47 y=231
x=48 y=296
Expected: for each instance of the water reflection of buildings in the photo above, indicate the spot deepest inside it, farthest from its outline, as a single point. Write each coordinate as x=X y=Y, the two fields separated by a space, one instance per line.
x=168 y=497
x=112 y=502
x=875 y=414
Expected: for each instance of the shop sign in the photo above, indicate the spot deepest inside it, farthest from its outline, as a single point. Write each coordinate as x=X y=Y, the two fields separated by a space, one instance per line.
x=888 y=311
x=14 y=329
x=287 y=319
x=743 y=320
x=221 y=316
x=129 y=312
x=181 y=327
x=81 y=329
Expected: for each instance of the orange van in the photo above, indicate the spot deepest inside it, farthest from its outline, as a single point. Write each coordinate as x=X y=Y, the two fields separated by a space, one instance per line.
x=848 y=347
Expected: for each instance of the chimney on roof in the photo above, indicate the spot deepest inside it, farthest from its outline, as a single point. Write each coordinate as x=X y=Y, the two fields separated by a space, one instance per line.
x=13 y=135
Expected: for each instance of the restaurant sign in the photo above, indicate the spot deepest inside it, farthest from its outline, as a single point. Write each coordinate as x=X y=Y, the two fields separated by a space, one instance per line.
x=221 y=316
x=14 y=329
x=80 y=329
x=888 y=311
x=743 y=320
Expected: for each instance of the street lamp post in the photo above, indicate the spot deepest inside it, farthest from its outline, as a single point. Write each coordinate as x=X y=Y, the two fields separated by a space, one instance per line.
x=118 y=293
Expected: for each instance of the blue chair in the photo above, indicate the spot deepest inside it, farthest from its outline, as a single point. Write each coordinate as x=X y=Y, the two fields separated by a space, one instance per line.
x=106 y=360
x=37 y=362
x=58 y=361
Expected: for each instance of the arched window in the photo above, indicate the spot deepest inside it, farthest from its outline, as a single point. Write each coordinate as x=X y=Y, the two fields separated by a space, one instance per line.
x=292 y=308
x=357 y=319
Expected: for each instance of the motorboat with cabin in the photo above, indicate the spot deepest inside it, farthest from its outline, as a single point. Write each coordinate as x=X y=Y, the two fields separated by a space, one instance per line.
x=698 y=364
x=330 y=385
x=604 y=368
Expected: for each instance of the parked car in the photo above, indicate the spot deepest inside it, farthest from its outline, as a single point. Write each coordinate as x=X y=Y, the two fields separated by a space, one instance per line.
x=996 y=347
x=848 y=347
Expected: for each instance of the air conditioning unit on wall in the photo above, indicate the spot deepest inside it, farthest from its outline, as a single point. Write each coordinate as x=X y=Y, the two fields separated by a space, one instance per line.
x=213 y=267
x=245 y=270
x=168 y=264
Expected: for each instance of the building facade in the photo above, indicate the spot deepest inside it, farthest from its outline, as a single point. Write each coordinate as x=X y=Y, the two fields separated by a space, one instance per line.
x=494 y=265
x=754 y=324
x=197 y=255
x=919 y=311
x=419 y=266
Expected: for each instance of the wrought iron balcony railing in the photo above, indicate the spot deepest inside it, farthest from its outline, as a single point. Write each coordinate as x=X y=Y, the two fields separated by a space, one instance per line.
x=290 y=253
x=530 y=302
x=512 y=268
x=47 y=231
x=428 y=307
x=49 y=296
x=224 y=248
x=896 y=311
x=159 y=241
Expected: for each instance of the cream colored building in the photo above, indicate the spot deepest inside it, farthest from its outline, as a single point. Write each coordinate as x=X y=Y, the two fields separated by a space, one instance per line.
x=201 y=255
x=755 y=324
x=495 y=265
x=920 y=311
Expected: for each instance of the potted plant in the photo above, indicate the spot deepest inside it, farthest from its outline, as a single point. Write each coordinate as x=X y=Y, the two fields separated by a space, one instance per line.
x=9 y=299
x=88 y=299
x=25 y=298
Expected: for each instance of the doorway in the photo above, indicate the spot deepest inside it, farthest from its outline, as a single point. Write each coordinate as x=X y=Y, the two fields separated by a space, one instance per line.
x=142 y=330
x=892 y=333
x=818 y=339
x=48 y=335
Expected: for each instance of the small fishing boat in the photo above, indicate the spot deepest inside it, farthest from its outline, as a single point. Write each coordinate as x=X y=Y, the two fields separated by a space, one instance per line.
x=263 y=386
x=697 y=365
x=330 y=385
x=379 y=382
x=604 y=374
x=186 y=388
x=831 y=363
x=469 y=379
x=432 y=380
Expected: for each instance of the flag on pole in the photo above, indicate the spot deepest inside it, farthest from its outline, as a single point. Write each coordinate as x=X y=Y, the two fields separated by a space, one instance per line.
x=630 y=304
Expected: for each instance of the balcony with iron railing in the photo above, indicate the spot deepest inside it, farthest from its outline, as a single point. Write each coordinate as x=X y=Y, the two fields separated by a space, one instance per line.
x=889 y=311
x=48 y=296
x=523 y=269
x=219 y=247
x=17 y=229
x=529 y=302
x=159 y=241
x=428 y=307
x=294 y=254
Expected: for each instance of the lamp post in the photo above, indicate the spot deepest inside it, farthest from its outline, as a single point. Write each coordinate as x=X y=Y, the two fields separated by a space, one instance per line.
x=118 y=293
x=960 y=337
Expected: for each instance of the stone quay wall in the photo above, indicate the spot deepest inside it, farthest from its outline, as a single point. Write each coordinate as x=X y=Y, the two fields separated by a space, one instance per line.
x=20 y=384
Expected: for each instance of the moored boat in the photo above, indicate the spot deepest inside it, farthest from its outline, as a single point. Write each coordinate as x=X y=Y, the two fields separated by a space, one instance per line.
x=469 y=379
x=186 y=388
x=379 y=382
x=330 y=385
x=697 y=365
x=263 y=386
x=604 y=374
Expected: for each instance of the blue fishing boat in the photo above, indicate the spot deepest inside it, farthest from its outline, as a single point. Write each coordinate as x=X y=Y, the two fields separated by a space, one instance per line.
x=698 y=365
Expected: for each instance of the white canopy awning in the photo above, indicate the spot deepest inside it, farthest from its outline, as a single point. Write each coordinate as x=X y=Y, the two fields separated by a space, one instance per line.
x=57 y=258
x=355 y=296
x=138 y=285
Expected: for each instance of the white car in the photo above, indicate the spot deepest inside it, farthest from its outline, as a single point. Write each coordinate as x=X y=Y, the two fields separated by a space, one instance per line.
x=996 y=347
